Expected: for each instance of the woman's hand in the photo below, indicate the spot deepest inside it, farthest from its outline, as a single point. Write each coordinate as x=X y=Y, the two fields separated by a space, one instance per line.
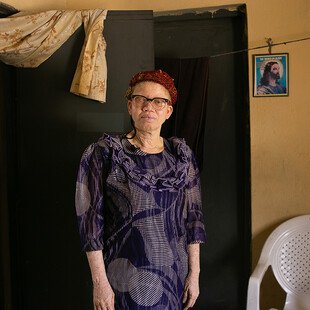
x=103 y=296
x=191 y=290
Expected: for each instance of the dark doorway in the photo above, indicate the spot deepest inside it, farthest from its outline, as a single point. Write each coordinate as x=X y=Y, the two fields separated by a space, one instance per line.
x=225 y=260
x=46 y=130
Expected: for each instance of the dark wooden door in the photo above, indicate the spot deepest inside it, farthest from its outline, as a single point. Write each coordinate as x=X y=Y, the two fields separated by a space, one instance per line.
x=52 y=129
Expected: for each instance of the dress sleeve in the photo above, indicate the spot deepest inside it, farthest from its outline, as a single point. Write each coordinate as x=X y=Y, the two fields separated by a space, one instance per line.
x=89 y=199
x=195 y=225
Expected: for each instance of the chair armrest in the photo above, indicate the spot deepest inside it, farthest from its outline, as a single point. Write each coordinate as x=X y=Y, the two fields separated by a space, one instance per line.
x=254 y=286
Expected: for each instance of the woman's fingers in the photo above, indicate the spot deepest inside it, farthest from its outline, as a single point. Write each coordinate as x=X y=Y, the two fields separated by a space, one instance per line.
x=185 y=295
x=191 y=292
x=190 y=301
x=104 y=306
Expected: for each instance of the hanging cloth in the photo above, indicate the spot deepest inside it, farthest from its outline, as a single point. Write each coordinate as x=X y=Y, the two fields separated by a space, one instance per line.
x=189 y=116
x=28 y=39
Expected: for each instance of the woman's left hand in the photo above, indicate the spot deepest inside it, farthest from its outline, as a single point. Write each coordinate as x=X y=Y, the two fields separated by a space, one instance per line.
x=191 y=290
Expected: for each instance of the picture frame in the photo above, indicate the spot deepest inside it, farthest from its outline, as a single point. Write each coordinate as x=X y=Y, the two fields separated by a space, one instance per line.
x=270 y=75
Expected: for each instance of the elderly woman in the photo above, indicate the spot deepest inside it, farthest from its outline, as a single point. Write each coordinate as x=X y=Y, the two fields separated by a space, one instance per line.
x=139 y=208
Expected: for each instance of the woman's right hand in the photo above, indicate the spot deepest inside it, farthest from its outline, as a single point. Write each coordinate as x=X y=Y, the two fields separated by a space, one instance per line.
x=103 y=296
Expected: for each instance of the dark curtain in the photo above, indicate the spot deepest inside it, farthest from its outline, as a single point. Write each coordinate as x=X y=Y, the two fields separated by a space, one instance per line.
x=189 y=115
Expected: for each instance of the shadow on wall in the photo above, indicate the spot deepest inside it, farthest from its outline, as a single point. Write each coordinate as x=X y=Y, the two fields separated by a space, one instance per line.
x=272 y=295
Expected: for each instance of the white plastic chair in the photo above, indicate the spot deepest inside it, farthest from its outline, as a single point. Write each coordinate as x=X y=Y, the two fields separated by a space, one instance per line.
x=287 y=251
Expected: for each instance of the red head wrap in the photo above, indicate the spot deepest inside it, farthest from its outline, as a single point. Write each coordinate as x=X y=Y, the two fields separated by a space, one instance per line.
x=157 y=76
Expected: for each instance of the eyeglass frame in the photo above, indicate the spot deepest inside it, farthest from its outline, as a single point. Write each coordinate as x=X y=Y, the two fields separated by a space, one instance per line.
x=151 y=100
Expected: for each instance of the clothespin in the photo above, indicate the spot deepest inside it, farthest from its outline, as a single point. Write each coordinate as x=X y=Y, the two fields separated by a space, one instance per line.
x=270 y=43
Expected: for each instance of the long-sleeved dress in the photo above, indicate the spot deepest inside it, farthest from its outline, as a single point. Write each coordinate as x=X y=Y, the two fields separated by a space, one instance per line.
x=142 y=210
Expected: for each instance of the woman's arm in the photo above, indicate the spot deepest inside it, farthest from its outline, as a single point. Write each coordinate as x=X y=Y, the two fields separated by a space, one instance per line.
x=191 y=287
x=103 y=295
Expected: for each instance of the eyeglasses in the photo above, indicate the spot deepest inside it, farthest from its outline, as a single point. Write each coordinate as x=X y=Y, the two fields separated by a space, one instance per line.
x=157 y=103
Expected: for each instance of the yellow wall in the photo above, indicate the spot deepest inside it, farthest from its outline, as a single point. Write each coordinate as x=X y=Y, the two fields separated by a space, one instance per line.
x=280 y=127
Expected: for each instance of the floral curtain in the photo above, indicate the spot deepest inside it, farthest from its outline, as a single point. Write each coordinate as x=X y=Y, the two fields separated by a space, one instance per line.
x=28 y=39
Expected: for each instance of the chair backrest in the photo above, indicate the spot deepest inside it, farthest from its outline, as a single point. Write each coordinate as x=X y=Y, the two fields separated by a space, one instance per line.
x=287 y=250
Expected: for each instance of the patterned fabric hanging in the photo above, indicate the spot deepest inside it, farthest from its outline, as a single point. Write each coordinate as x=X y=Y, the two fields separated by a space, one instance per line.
x=27 y=39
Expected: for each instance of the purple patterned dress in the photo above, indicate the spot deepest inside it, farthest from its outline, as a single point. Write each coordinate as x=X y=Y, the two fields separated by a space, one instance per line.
x=142 y=210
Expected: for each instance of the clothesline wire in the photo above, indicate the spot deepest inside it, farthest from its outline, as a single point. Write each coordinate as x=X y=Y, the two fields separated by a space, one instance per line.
x=259 y=47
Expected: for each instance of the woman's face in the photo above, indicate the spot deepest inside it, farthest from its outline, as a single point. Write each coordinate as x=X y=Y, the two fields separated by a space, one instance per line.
x=146 y=117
